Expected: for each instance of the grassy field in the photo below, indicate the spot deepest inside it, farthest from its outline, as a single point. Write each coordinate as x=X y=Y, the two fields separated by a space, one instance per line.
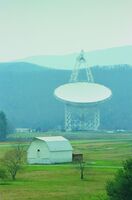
x=103 y=157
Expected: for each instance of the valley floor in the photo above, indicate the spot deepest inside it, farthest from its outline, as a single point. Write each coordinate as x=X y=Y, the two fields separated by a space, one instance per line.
x=52 y=182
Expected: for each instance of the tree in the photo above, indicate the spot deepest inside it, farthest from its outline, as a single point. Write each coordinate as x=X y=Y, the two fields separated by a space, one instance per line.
x=14 y=160
x=78 y=159
x=3 y=125
x=81 y=167
x=121 y=187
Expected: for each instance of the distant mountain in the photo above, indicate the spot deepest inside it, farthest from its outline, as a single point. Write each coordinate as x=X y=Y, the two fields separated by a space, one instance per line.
x=111 y=56
x=27 y=95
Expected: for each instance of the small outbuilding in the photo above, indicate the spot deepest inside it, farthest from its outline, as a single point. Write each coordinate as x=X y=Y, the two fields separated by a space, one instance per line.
x=49 y=150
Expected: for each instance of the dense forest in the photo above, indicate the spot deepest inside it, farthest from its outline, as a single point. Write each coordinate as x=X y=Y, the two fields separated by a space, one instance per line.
x=27 y=95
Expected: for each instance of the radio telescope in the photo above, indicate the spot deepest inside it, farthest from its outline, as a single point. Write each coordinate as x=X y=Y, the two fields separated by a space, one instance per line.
x=82 y=99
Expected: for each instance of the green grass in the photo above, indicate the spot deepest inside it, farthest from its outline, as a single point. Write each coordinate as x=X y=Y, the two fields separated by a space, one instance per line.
x=53 y=182
x=85 y=135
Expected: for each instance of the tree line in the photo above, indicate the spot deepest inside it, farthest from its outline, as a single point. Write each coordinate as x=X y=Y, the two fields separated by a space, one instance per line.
x=3 y=126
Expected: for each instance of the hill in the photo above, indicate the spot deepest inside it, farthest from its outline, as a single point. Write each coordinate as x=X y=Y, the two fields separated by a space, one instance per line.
x=111 y=56
x=26 y=95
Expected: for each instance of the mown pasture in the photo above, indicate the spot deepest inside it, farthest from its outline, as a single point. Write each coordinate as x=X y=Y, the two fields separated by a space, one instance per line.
x=52 y=182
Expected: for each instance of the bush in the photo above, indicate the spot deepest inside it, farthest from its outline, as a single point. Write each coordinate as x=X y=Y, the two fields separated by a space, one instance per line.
x=121 y=187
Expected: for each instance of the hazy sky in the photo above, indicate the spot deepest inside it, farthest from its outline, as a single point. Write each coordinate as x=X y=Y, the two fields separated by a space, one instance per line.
x=34 y=27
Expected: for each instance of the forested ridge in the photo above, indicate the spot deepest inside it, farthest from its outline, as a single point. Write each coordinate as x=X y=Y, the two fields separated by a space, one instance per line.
x=26 y=95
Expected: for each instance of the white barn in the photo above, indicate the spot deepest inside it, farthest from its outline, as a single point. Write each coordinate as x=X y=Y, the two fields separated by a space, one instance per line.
x=49 y=150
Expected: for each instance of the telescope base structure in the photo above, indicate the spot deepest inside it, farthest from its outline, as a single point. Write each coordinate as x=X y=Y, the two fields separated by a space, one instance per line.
x=81 y=118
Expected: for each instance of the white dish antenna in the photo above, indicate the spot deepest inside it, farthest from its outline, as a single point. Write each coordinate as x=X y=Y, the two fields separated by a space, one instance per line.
x=82 y=93
x=82 y=99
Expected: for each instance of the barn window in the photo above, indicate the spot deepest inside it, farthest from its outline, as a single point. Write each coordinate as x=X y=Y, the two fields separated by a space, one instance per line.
x=38 y=150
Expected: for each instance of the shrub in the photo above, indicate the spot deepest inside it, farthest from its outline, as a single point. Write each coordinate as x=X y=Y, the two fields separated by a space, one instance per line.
x=121 y=187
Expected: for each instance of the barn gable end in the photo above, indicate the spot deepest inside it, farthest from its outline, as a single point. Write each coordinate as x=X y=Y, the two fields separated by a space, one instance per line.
x=48 y=150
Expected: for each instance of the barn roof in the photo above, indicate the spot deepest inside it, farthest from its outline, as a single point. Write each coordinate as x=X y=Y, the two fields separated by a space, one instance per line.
x=56 y=143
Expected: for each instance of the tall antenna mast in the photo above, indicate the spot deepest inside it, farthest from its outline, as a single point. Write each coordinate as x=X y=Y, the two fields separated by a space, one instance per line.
x=81 y=61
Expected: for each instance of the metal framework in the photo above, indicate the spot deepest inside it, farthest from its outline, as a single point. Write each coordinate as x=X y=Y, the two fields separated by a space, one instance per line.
x=81 y=117
x=80 y=64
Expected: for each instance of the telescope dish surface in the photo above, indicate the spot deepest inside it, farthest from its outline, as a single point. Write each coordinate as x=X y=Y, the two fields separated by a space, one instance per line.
x=82 y=93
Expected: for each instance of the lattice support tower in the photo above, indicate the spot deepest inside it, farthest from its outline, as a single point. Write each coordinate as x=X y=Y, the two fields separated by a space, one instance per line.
x=81 y=118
